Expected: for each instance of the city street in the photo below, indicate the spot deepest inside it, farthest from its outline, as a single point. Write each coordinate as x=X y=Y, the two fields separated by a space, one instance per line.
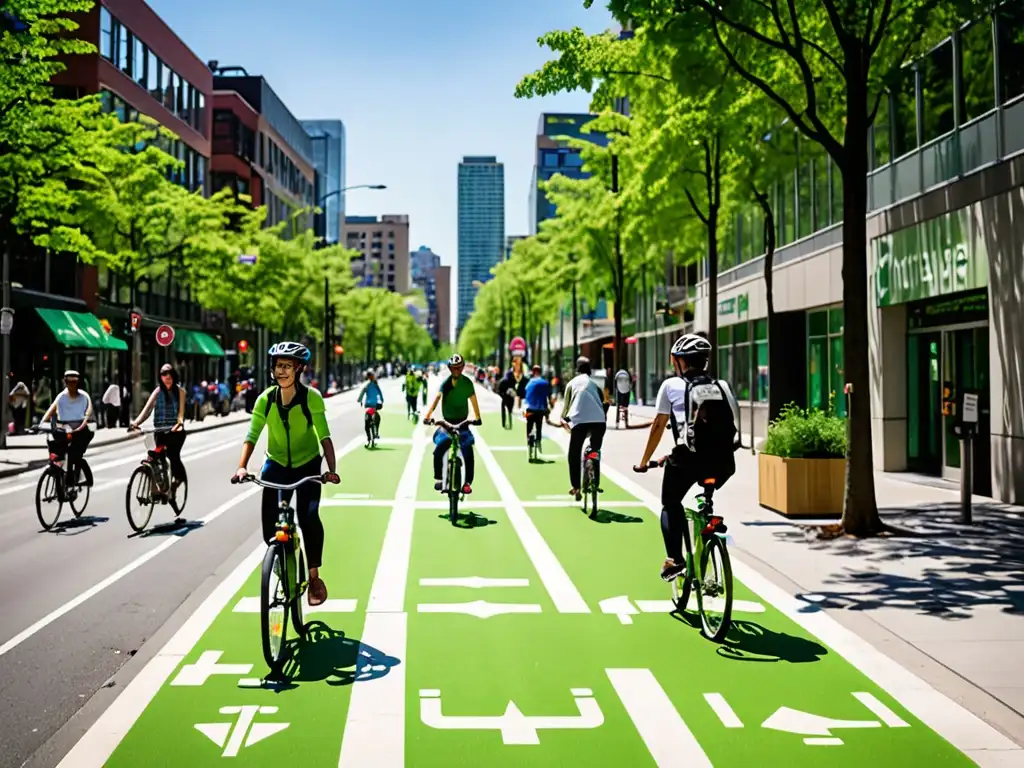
x=528 y=634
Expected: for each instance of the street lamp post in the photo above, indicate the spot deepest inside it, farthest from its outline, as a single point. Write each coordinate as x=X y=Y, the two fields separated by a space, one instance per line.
x=327 y=281
x=6 y=323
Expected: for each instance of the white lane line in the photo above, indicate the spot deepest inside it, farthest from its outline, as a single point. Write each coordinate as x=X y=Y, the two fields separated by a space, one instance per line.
x=963 y=729
x=374 y=731
x=723 y=710
x=556 y=581
x=667 y=737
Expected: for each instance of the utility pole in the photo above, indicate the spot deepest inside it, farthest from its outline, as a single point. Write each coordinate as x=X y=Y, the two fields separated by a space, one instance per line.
x=619 y=276
x=6 y=325
x=136 y=350
x=327 y=330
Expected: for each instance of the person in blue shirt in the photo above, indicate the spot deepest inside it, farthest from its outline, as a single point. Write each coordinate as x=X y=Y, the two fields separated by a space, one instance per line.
x=539 y=402
x=372 y=397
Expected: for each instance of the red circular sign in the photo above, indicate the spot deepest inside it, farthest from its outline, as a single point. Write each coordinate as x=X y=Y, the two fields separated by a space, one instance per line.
x=165 y=335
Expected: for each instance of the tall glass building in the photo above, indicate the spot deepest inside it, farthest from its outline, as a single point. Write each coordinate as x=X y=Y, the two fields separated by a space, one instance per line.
x=481 y=226
x=329 y=158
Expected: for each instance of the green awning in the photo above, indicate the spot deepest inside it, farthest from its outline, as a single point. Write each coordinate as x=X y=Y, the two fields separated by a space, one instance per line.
x=79 y=330
x=188 y=342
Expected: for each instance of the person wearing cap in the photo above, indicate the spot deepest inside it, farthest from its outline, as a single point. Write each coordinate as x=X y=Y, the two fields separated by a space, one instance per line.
x=167 y=402
x=73 y=408
x=539 y=402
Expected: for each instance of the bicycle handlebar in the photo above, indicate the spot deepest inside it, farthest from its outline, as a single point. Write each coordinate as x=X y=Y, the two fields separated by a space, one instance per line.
x=278 y=486
x=448 y=426
x=38 y=429
x=152 y=430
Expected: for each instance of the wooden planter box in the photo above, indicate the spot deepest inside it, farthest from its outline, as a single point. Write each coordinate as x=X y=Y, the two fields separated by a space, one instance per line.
x=801 y=487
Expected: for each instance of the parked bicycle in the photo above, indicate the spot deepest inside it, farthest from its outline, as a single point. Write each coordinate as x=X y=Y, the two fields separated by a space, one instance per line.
x=151 y=484
x=283 y=579
x=708 y=569
x=452 y=481
x=57 y=485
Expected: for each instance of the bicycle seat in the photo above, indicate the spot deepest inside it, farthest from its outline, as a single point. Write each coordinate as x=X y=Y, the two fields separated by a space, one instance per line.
x=371 y=411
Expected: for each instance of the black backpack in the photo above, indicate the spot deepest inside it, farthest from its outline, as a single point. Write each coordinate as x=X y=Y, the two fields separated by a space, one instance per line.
x=712 y=429
x=301 y=399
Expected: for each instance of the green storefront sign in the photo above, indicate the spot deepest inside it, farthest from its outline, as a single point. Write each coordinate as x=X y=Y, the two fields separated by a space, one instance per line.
x=937 y=257
x=729 y=306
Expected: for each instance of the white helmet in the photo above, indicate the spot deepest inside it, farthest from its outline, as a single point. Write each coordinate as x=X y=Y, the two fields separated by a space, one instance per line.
x=71 y=374
x=691 y=345
x=456 y=361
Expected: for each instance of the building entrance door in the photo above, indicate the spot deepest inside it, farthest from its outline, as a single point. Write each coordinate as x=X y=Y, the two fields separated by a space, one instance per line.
x=924 y=402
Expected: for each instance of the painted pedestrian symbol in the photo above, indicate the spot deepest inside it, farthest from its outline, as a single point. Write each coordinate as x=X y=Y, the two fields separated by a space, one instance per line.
x=243 y=732
x=515 y=727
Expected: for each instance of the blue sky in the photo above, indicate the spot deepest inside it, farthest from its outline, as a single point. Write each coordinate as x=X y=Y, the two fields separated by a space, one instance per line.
x=417 y=84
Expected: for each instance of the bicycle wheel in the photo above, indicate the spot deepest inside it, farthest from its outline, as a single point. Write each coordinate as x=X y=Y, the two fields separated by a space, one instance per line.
x=78 y=496
x=140 y=489
x=682 y=585
x=714 y=589
x=274 y=608
x=593 y=487
x=49 y=497
x=455 y=490
x=298 y=622
x=180 y=496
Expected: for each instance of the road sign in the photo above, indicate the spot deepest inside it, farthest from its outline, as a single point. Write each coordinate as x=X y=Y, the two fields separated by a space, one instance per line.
x=970 y=414
x=136 y=321
x=165 y=335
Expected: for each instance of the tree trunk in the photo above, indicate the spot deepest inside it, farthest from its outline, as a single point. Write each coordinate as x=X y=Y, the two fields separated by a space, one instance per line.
x=713 y=289
x=860 y=508
x=775 y=357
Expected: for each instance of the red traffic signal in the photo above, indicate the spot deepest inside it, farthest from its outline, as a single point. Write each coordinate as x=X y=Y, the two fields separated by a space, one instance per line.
x=338 y=349
x=136 y=321
x=243 y=346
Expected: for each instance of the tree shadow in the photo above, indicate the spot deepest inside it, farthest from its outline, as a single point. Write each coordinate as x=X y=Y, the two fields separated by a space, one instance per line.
x=469 y=520
x=328 y=655
x=749 y=641
x=929 y=562
x=605 y=516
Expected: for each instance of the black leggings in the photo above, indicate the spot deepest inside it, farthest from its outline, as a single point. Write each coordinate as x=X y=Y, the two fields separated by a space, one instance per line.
x=579 y=433
x=535 y=417
x=410 y=402
x=73 y=449
x=376 y=423
x=683 y=470
x=172 y=442
x=307 y=505
x=508 y=401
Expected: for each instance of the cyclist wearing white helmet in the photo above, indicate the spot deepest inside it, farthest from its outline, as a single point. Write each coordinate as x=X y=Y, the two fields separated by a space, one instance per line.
x=296 y=422
x=704 y=415
x=72 y=407
x=455 y=396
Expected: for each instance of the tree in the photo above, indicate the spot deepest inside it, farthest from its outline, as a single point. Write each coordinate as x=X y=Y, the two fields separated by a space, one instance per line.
x=824 y=66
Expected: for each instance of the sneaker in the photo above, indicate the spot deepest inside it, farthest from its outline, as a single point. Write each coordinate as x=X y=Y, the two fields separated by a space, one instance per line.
x=669 y=570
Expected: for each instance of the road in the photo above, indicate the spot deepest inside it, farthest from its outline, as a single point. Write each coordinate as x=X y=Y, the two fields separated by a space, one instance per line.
x=528 y=634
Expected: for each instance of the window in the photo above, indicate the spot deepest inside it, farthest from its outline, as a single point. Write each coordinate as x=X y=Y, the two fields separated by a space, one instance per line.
x=170 y=83
x=1010 y=26
x=825 y=374
x=741 y=361
x=937 y=92
x=977 y=70
x=804 y=189
x=123 y=51
x=179 y=104
x=880 y=134
x=822 y=209
x=106 y=34
x=139 y=62
x=153 y=77
x=789 y=204
x=761 y=359
x=106 y=101
x=201 y=112
x=903 y=99
x=725 y=354
x=837 y=193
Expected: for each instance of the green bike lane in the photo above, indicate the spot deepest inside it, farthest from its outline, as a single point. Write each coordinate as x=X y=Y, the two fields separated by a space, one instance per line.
x=529 y=632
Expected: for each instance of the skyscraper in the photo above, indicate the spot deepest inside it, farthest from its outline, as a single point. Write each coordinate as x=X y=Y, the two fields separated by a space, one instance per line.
x=424 y=263
x=481 y=226
x=555 y=156
x=329 y=157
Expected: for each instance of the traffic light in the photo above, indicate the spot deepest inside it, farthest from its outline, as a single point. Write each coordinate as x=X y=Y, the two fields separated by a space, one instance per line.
x=134 y=322
x=243 y=346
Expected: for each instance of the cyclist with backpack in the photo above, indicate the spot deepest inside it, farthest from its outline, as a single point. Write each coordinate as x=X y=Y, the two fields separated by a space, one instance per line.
x=371 y=397
x=704 y=416
x=296 y=420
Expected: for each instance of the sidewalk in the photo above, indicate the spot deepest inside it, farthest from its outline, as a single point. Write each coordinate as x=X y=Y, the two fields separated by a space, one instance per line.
x=946 y=603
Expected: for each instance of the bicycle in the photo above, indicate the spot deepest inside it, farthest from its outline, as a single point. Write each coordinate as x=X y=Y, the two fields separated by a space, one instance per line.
x=284 y=561
x=591 y=472
x=56 y=483
x=532 y=440
x=370 y=425
x=153 y=484
x=700 y=550
x=453 y=467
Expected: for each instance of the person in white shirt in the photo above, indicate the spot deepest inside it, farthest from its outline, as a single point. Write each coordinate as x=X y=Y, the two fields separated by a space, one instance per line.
x=704 y=417
x=584 y=413
x=112 y=404
x=72 y=407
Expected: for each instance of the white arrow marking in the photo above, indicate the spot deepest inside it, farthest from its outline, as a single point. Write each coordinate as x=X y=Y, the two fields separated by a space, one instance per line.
x=480 y=608
x=331 y=605
x=881 y=711
x=233 y=736
x=474 y=582
x=714 y=604
x=215 y=732
x=205 y=666
x=620 y=606
x=807 y=724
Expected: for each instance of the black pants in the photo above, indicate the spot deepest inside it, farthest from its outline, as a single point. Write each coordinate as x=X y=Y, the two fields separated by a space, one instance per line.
x=110 y=413
x=172 y=442
x=508 y=400
x=307 y=505
x=578 y=435
x=532 y=418
x=18 y=417
x=682 y=471
x=410 y=402
x=60 y=447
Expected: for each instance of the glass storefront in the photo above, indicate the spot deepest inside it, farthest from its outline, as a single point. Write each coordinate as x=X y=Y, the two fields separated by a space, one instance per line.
x=825 y=376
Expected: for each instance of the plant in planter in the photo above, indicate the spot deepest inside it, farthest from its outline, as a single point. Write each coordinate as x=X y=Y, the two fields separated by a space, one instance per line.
x=802 y=465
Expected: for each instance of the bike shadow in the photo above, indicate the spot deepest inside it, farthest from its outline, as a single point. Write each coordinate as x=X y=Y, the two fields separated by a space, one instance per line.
x=76 y=526
x=469 y=520
x=605 y=516
x=180 y=527
x=750 y=641
x=327 y=655
x=542 y=461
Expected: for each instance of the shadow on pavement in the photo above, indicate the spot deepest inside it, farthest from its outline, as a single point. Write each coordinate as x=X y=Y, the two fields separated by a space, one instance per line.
x=930 y=563
x=606 y=516
x=749 y=641
x=379 y=447
x=327 y=655
x=470 y=520
x=76 y=526
x=175 y=528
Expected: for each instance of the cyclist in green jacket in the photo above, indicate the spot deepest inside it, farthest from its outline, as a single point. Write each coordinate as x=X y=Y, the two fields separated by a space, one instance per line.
x=411 y=387
x=296 y=422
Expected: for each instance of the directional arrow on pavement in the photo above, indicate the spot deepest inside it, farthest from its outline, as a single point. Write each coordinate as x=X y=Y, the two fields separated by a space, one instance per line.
x=481 y=608
x=206 y=666
x=619 y=606
x=808 y=724
x=474 y=582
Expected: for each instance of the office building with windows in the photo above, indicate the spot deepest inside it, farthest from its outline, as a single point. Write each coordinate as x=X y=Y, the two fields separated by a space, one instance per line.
x=481 y=226
x=945 y=254
x=281 y=151
x=443 y=286
x=424 y=276
x=510 y=241
x=328 y=138
x=554 y=155
x=383 y=246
